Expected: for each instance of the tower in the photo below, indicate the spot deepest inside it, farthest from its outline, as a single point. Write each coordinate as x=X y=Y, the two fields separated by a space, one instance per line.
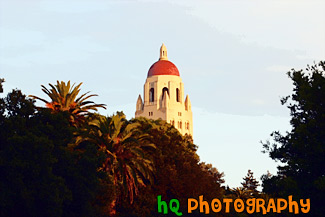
x=163 y=96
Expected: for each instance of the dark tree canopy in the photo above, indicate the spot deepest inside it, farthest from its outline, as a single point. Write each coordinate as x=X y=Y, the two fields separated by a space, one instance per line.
x=45 y=172
x=178 y=173
x=302 y=150
x=250 y=183
x=1 y=81
x=40 y=174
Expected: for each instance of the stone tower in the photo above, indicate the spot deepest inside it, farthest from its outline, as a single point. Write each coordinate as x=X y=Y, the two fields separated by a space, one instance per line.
x=163 y=96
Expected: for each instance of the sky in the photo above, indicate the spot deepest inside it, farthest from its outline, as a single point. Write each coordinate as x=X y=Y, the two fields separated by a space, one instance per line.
x=232 y=55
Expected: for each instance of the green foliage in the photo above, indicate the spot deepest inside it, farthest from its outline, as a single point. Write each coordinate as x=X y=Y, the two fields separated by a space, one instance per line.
x=1 y=81
x=40 y=174
x=64 y=98
x=250 y=183
x=302 y=150
x=178 y=172
x=65 y=161
x=127 y=163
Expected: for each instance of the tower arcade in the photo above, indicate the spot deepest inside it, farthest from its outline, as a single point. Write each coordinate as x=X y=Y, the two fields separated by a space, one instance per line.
x=163 y=96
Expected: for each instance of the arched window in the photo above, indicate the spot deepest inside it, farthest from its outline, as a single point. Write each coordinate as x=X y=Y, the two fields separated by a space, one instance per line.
x=151 y=95
x=165 y=89
x=177 y=95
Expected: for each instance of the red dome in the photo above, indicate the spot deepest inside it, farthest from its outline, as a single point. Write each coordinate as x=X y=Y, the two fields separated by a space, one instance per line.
x=163 y=67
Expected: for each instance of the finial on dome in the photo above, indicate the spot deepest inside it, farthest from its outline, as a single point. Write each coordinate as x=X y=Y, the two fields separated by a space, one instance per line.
x=163 y=52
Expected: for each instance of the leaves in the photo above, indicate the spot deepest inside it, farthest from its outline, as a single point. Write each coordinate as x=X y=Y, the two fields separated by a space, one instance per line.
x=1 y=81
x=250 y=183
x=64 y=98
x=40 y=174
x=302 y=150
x=126 y=159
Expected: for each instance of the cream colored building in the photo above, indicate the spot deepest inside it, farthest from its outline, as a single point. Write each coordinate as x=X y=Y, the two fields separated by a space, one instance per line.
x=163 y=96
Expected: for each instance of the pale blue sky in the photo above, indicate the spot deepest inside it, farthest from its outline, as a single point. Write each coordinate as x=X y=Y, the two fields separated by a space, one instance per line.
x=232 y=56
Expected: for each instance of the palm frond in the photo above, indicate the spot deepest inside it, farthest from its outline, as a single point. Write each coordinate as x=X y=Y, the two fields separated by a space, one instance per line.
x=63 y=98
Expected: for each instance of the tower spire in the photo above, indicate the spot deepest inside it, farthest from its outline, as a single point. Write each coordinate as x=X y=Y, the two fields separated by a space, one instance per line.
x=163 y=52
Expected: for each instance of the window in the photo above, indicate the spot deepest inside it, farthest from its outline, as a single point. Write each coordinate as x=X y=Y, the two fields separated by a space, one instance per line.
x=179 y=124
x=177 y=95
x=179 y=113
x=165 y=89
x=151 y=95
x=187 y=126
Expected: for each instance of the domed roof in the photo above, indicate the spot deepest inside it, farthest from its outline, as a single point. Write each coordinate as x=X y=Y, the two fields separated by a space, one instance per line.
x=163 y=66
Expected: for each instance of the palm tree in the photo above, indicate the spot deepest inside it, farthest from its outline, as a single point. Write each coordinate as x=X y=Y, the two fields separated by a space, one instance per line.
x=242 y=193
x=64 y=98
x=126 y=163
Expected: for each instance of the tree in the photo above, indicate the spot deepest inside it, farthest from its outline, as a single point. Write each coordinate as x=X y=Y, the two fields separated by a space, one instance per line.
x=178 y=172
x=241 y=193
x=64 y=98
x=1 y=81
x=40 y=174
x=302 y=150
x=250 y=183
x=126 y=161
x=213 y=172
